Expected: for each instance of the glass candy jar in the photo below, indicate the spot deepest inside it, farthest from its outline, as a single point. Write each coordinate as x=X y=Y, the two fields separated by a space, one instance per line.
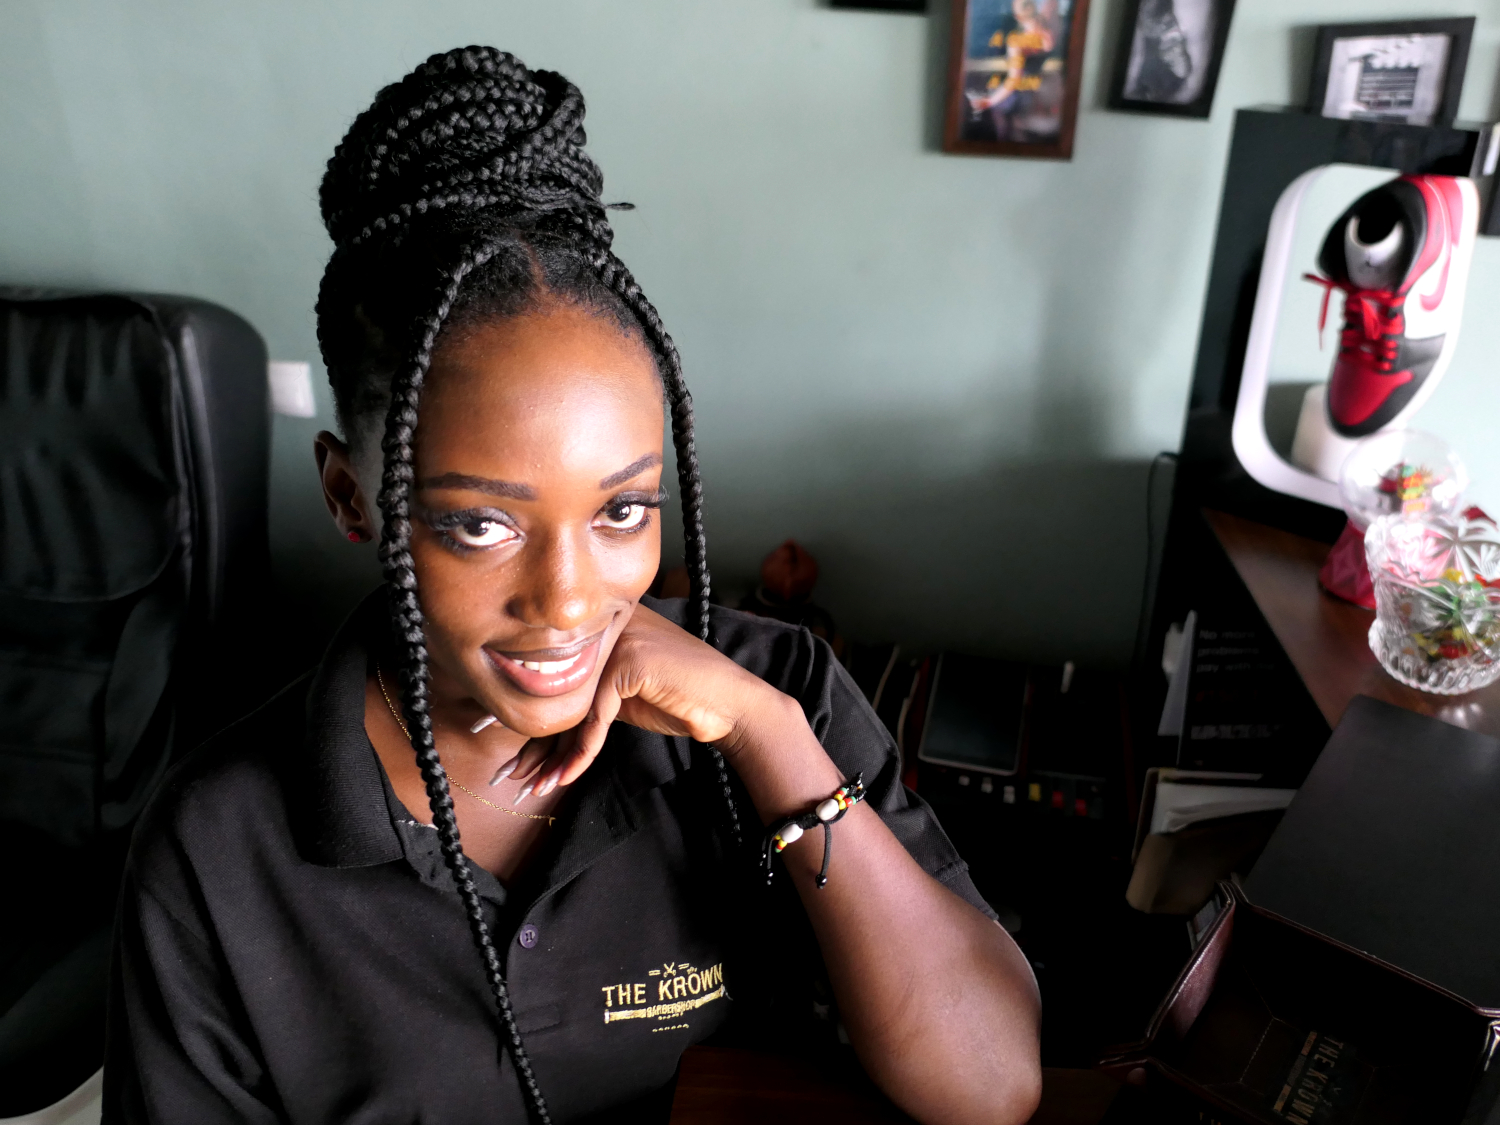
x=1401 y=472
x=1437 y=596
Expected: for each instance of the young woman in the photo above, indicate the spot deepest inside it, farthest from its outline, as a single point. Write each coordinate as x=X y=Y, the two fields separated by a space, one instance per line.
x=500 y=855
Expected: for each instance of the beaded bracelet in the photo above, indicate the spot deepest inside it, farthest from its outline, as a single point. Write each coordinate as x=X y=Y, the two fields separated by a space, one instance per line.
x=825 y=812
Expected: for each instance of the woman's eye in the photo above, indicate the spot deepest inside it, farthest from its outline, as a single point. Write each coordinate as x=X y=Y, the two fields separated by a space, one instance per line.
x=624 y=517
x=481 y=533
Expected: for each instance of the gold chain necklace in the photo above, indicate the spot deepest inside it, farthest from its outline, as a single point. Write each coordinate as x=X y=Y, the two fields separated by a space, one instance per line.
x=395 y=714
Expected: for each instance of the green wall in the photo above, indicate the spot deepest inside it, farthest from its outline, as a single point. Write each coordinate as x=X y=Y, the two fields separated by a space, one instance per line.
x=944 y=375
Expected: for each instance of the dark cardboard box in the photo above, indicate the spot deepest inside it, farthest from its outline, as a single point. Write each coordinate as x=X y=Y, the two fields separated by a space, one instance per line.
x=1270 y=1023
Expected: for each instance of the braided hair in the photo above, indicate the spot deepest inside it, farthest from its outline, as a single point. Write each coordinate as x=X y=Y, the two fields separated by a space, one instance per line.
x=463 y=195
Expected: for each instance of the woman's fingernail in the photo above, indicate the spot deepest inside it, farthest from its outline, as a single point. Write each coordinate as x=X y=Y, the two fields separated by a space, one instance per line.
x=482 y=723
x=524 y=793
x=505 y=771
x=547 y=786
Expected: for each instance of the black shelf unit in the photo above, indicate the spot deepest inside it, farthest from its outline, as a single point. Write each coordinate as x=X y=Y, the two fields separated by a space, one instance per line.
x=1270 y=147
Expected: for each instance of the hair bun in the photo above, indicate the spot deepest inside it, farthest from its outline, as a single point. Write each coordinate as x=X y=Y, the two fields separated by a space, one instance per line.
x=471 y=138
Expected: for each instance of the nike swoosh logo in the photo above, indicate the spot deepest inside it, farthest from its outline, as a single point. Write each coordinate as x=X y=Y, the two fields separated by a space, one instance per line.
x=1430 y=303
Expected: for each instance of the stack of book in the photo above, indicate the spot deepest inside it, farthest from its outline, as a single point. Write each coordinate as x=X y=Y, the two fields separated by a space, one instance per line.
x=1247 y=733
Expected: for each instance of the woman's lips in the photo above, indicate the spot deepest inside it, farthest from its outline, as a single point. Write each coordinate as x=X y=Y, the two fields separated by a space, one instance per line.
x=549 y=671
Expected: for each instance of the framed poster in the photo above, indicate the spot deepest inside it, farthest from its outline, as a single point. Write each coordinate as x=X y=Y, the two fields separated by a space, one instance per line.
x=1169 y=55
x=914 y=6
x=1013 y=76
x=1410 y=72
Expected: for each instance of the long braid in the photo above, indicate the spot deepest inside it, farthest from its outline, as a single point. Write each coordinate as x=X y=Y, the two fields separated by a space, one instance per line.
x=406 y=612
x=471 y=172
x=614 y=274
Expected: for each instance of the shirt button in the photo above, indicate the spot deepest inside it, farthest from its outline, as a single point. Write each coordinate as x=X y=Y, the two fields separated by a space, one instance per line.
x=527 y=937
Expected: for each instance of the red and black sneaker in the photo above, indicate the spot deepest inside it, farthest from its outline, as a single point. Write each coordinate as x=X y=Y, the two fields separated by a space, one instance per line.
x=1401 y=257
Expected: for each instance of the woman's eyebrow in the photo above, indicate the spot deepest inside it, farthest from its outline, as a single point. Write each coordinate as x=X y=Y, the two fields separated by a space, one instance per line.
x=508 y=489
x=634 y=469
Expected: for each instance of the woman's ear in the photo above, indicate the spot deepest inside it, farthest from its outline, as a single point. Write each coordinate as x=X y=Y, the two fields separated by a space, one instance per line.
x=346 y=500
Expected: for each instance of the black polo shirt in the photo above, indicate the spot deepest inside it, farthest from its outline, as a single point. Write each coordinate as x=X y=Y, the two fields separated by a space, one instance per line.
x=291 y=948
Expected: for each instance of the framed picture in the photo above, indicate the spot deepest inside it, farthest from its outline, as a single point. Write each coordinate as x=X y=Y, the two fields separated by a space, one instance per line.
x=914 y=6
x=1405 y=71
x=1169 y=55
x=1013 y=76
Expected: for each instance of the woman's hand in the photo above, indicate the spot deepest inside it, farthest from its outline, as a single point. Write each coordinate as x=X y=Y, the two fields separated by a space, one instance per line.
x=659 y=678
x=939 y=1003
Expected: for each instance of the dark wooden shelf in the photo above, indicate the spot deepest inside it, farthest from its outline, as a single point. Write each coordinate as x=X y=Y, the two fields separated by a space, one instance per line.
x=1326 y=638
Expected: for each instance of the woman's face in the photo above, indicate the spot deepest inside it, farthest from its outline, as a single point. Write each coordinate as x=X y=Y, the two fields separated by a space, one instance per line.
x=534 y=520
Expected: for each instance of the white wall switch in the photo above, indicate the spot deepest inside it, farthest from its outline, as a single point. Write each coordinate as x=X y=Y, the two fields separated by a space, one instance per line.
x=291 y=389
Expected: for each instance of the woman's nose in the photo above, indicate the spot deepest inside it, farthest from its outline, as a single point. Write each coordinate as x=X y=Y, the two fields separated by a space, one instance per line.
x=559 y=588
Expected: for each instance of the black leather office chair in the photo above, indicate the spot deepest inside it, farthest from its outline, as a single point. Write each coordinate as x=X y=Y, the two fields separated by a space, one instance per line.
x=134 y=445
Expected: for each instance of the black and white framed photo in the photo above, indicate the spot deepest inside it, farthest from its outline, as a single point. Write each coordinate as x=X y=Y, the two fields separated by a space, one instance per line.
x=1168 y=57
x=915 y=7
x=1409 y=72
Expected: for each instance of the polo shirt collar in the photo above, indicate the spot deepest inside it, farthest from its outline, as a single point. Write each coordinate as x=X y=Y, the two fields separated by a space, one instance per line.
x=347 y=822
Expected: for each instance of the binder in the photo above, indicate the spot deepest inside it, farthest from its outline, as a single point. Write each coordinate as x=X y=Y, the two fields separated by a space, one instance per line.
x=1245 y=709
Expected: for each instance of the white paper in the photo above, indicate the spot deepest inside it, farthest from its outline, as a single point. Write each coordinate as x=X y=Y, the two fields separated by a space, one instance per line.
x=1179 y=805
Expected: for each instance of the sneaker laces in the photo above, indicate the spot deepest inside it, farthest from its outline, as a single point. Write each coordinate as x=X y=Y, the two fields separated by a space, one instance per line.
x=1369 y=328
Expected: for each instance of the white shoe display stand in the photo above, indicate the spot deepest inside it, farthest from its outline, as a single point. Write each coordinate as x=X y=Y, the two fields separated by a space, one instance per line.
x=1318 y=451
x=1251 y=445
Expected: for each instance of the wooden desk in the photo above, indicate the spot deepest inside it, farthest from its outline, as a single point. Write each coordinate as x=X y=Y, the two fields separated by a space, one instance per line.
x=1326 y=638
x=727 y=1086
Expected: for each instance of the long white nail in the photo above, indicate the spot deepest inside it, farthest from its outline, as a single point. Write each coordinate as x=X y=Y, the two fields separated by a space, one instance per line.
x=547 y=786
x=482 y=723
x=505 y=771
x=525 y=792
